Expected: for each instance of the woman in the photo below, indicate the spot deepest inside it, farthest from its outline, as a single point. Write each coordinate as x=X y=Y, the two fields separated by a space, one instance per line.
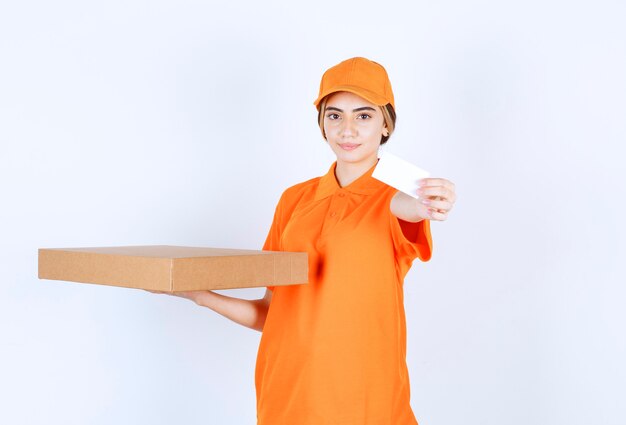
x=334 y=351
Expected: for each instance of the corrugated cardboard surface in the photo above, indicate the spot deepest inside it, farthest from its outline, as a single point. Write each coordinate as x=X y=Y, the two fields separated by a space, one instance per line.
x=173 y=268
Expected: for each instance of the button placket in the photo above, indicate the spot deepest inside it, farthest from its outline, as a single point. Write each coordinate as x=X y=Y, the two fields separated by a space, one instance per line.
x=336 y=208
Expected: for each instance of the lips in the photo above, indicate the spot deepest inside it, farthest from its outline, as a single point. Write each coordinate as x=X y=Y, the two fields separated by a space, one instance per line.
x=349 y=146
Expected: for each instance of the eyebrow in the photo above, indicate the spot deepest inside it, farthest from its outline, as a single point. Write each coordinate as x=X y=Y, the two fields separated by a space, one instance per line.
x=363 y=108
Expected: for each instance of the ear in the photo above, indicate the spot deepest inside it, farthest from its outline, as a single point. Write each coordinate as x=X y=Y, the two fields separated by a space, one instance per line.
x=385 y=131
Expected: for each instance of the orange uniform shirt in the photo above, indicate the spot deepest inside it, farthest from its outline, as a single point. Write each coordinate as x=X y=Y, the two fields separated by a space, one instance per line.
x=333 y=351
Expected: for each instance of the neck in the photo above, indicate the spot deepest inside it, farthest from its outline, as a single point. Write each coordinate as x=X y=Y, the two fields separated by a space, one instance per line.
x=347 y=172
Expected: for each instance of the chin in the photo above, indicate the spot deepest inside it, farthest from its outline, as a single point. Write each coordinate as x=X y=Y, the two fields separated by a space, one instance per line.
x=354 y=157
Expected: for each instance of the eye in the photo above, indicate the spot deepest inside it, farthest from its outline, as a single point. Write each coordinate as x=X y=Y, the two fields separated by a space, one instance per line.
x=364 y=116
x=332 y=116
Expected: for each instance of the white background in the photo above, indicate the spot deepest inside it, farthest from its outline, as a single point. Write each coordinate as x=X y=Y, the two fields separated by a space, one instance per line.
x=180 y=122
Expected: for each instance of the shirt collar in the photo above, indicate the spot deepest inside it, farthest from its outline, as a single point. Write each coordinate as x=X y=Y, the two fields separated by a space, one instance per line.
x=364 y=185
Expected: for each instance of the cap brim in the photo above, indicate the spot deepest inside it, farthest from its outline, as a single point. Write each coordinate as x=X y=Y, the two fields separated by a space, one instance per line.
x=365 y=94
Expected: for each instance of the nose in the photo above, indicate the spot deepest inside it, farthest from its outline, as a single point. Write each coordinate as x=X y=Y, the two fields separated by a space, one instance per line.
x=348 y=129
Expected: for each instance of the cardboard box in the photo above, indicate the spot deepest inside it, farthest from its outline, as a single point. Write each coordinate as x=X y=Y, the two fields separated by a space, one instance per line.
x=173 y=268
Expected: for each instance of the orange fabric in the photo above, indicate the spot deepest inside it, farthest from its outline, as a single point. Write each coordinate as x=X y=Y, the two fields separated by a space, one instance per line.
x=360 y=76
x=334 y=351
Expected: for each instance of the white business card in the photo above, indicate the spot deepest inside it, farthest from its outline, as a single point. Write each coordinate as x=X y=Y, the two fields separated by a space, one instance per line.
x=398 y=173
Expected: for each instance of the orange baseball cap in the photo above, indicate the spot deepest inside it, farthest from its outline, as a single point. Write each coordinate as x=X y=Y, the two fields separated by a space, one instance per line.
x=360 y=76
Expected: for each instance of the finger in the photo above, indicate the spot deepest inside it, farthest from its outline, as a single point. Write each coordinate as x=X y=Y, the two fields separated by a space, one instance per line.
x=451 y=198
x=438 y=204
x=436 y=181
x=438 y=215
x=439 y=191
x=449 y=185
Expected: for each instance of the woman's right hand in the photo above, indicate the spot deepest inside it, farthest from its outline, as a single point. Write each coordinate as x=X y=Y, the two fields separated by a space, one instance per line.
x=249 y=313
x=194 y=296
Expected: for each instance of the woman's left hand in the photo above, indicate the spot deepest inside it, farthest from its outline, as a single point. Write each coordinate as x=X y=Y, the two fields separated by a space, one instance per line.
x=438 y=195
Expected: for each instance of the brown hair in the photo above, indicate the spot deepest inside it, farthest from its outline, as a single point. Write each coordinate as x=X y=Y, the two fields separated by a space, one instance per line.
x=389 y=115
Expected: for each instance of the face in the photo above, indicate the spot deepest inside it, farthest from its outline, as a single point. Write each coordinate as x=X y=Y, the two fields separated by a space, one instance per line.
x=353 y=128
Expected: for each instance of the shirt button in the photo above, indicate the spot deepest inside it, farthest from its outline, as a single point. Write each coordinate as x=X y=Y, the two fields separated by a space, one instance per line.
x=341 y=195
x=332 y=214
